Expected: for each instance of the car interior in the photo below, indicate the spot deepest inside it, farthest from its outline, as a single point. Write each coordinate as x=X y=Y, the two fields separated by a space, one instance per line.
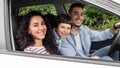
x=16 y=13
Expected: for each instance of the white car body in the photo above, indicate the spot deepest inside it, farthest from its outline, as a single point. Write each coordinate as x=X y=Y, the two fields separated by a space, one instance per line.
x=14 y=59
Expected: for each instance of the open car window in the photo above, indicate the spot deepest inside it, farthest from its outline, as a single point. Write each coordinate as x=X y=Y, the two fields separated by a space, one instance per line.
x=98 y=15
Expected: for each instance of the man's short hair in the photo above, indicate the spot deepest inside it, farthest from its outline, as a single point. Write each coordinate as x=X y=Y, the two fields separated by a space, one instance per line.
x=75 y=5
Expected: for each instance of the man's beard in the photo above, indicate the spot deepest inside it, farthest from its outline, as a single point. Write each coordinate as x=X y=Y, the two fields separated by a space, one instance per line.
x=76 y=25
x=78 y=20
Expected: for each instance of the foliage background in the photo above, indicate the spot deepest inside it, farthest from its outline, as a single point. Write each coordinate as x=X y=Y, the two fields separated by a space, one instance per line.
x=95 y=18
x=44 y=9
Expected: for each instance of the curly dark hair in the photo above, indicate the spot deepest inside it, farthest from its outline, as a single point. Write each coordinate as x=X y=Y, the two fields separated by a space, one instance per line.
x=24 y=39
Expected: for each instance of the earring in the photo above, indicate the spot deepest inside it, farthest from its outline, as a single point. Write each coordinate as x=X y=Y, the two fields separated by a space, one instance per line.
x=29 y=32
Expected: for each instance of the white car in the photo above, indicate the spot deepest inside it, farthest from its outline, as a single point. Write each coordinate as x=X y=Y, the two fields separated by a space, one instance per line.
x=13 y=10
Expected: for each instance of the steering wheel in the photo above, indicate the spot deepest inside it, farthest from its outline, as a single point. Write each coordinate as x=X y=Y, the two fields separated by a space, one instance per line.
x=116 y=44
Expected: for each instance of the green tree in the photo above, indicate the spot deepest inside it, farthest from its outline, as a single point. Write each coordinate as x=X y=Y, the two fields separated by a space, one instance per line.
x=96 y=18
x=44 y=9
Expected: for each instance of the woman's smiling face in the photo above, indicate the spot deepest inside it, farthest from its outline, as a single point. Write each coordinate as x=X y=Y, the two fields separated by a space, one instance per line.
x=37 y=27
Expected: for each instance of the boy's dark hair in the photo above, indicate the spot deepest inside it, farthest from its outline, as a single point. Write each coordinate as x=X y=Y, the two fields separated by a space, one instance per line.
x=75 y=5
x=63 y=18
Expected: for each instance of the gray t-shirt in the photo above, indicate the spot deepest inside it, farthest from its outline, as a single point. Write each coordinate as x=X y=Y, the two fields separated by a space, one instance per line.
x=78 y=42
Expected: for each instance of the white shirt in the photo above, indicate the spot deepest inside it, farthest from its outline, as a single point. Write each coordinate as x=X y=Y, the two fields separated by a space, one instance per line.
x=38 y=50
x=78 y=42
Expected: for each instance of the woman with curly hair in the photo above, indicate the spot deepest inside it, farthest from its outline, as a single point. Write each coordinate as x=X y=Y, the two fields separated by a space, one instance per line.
x=35 y=35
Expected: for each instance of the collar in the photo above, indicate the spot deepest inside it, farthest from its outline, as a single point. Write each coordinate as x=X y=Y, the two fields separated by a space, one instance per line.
x=55 y=34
